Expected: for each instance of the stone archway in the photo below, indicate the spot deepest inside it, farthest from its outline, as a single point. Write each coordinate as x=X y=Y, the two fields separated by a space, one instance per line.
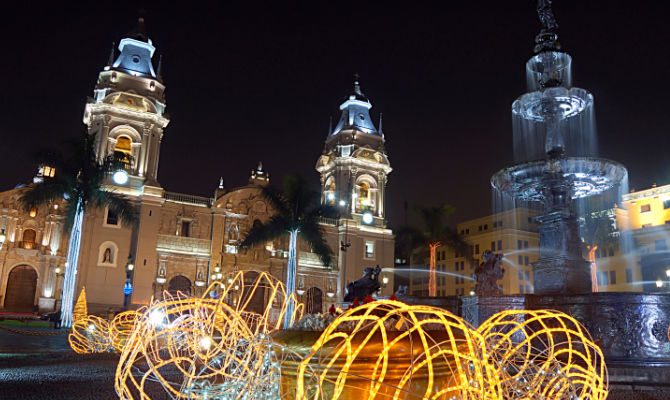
x=179 y=283
x=21 y=287
x=314 y=302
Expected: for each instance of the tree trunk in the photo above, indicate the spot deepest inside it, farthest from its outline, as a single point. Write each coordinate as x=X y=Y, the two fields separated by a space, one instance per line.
x=592 y=260
x=432 y=284
x=290 y=278
x=70 y=280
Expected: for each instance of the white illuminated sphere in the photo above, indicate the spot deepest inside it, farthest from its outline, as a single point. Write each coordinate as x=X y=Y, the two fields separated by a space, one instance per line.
x=368 y=218
x=120 y=177
x=156 y=317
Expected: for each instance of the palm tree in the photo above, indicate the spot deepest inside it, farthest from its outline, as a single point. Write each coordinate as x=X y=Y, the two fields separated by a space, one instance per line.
x=434 y=235
x=79 y=181
x=297 y=211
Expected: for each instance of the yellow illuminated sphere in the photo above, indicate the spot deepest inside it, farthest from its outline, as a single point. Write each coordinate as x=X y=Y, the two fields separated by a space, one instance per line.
x=121 y=327
x=90 y=334
x=544 y=355
x=391 y=350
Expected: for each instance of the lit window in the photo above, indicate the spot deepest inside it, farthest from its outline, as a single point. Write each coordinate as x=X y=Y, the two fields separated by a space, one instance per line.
x=369 y=249
x=33 y=212
x=48 y=172
x=666 y=204
x=28 y=241
x=123 y=149
x=645 y=208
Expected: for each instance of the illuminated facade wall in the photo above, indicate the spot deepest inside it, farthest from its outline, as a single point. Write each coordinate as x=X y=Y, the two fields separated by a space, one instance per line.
x=183 y=238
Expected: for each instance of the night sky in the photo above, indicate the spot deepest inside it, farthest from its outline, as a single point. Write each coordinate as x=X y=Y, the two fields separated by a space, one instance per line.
x=249 y=82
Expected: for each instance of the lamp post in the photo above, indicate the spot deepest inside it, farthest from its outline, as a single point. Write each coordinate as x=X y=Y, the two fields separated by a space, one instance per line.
x=128 y=286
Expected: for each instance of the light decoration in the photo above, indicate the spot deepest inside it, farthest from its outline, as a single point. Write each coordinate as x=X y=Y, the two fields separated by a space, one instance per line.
x=543 y=354
x=246 y=288
x=388 y=349
x=121 y=328
x=80 y=309
x=90 y=334
x=432 y=278
x=202 y=348
x=70 y=280
x=392 y=350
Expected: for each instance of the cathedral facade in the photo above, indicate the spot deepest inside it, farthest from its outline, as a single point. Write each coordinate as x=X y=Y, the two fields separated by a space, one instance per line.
x=182 y=242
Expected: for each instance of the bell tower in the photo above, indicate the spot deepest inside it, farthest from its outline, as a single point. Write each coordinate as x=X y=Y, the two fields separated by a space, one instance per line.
x=127 y=110
x=354 y=164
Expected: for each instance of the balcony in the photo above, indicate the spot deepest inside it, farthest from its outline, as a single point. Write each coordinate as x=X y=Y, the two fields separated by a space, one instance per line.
x=188 y=199
x=183 y=245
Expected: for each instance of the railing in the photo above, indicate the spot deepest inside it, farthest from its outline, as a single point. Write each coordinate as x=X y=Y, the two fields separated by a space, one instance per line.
x=328 y=221
x=188 y=199
x=26 y=245
x=183 y=245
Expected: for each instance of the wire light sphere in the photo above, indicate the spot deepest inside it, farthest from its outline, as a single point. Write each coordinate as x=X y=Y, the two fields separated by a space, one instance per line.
x=391 y=350
x=544 y=355
x=121 y=327
x=388 y=349
x=90 y=334
x=204 y=348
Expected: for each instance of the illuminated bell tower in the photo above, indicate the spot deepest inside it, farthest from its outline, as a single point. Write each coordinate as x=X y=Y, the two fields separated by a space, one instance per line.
x=354 y=165
x=127 y=111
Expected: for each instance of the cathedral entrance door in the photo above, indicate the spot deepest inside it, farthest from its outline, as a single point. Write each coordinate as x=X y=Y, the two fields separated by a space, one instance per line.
x=179 y=284
x=314 y=300
x=21 y=286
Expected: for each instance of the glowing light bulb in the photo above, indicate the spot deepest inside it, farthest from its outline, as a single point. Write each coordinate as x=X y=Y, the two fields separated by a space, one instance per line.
x=156 y=317
x=659 y=283
x=205 y=343
x=367 y=218
x=343 y=203
x=120 y=177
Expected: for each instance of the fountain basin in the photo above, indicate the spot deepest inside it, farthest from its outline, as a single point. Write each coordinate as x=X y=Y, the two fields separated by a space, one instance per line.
x=585 y=177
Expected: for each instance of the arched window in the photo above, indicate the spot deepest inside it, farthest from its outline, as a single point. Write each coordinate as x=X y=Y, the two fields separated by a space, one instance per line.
x=28 y=241
x=123 y=149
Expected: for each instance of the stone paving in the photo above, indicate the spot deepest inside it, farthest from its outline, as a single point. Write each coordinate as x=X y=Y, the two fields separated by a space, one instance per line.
x=44 y=368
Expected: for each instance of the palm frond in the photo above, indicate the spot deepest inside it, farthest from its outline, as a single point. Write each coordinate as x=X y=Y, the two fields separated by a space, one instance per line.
x=412 y=238
x=118 y=204
x=42 y=193
x=312 y=233
x=455 y=241
x=261 y=233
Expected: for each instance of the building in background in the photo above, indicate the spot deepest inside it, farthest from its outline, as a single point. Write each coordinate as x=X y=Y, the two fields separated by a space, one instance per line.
x=182 y=242
x=512 y=233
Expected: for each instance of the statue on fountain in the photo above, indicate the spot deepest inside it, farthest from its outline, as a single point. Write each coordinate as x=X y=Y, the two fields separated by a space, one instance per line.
x=366 y=286
x=487 y=275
